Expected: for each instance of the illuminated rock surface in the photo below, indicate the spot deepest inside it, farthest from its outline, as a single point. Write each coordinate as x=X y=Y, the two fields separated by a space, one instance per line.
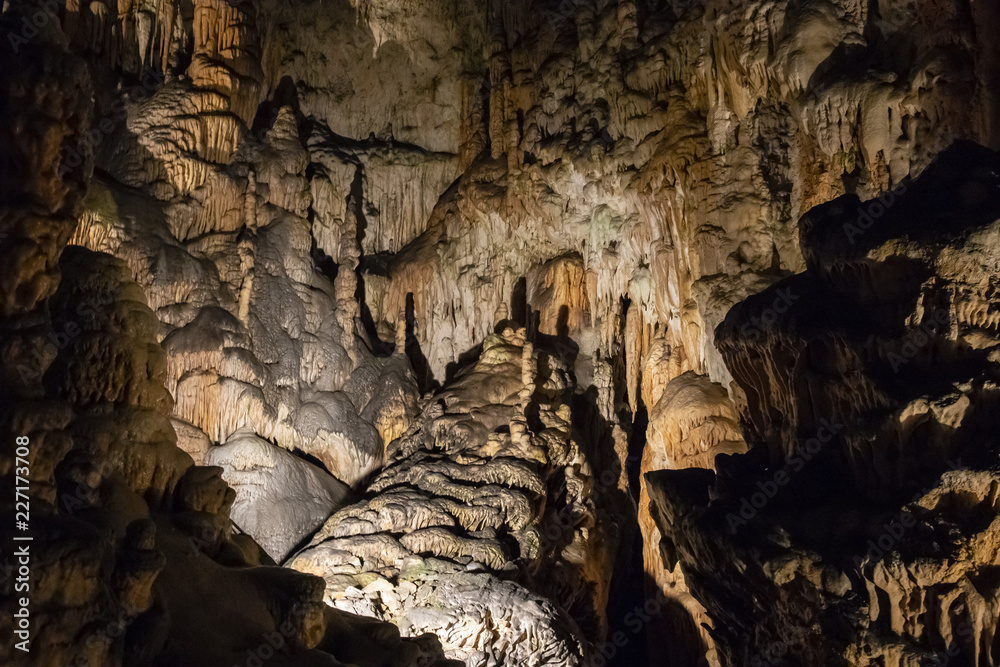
x=280 y=499
x=460 y=301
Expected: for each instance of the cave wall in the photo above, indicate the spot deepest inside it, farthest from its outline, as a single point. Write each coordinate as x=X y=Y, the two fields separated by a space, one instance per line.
x=332 y=209
x=670 y=147
x=125 y=534
x=860 y=528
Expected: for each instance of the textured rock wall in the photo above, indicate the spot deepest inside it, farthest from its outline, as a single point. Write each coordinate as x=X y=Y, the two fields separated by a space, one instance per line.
x=669 y=148
x=333 y=209
x=692 y=422
x=674 y=147
x=126 y=533
x=861 y=527
x=476 y=513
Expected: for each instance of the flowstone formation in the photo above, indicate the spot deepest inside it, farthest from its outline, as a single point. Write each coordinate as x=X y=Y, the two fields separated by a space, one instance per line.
x=256 y=336
x=279 y=497
x=483 y=527
x=861 y=528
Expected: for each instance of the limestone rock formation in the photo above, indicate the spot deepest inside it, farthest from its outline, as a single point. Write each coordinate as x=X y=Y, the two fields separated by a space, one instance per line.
x=126 y=534
x=691 y=423
x=280 y=499
x=235 y=361
x=673 y=146
x=481 y=528
x=865 y=509
x=458 y=298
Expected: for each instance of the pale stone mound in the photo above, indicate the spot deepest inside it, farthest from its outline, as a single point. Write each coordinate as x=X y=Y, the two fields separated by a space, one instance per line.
x=280 y=498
